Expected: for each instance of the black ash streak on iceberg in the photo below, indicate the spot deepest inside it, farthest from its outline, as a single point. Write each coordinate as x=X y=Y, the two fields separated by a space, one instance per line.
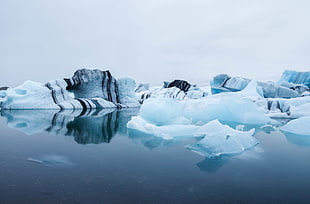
x=83 y=81
x=86 y=89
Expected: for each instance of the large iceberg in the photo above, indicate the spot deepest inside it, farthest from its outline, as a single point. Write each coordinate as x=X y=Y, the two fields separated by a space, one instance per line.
x=87 y=89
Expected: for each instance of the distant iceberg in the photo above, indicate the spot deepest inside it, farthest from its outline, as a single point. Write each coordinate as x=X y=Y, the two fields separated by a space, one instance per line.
x=291 y=85
x=295 y=78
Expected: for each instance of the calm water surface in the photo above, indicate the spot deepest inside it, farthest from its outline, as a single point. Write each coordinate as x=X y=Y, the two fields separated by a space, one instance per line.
x=82 y=157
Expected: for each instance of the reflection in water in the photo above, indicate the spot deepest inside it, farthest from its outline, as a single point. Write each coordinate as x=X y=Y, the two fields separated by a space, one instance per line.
x=150 y=141
x=100 y=126
x=52 y=161
x=90 y=126
x=300 y=140
x=211 y=165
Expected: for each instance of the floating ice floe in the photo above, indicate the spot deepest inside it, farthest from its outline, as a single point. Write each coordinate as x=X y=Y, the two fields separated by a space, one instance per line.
x=298 y=126
x=220 y=140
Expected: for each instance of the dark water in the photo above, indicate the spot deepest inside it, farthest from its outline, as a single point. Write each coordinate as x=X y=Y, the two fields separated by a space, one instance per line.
x=91 y=157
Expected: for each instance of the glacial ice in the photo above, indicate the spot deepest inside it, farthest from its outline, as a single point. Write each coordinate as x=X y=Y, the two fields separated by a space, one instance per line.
x=220 y=140
x=284 y=108
x=224 y=83
x=161 y=111
x=298 y=126
x=224 y=107
x=164 y=131
x=294 y=77
x=177 y=110
x=87 y=89
x=178 y=89
x=29 y=95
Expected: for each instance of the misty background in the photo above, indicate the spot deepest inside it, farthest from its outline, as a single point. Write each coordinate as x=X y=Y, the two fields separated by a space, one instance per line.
x=152 y=40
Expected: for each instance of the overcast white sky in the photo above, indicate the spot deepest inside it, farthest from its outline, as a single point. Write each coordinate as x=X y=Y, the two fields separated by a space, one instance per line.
x=152 y=40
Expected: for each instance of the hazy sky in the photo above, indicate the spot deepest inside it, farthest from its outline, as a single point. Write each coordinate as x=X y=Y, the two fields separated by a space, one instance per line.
x=152 y=40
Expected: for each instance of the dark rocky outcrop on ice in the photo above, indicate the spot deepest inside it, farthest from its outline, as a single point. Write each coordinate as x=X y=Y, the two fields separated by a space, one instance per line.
x=181 y=84
x=4 y=88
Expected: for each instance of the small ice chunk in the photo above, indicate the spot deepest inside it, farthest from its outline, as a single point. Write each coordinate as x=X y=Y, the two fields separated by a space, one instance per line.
x=222 y=140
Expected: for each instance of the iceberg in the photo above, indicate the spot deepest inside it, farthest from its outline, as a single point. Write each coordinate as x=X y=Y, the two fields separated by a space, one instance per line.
x=225 y=83
x=284 y=108
x=181 y=84
x=87 y=89
x=161 y=111
x=221 y=140
x=177 y=89
x=142 y=87
x=298 y=126
x=294 y=77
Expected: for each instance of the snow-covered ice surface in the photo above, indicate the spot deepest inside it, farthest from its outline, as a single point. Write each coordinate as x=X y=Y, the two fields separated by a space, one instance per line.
x=298 y=126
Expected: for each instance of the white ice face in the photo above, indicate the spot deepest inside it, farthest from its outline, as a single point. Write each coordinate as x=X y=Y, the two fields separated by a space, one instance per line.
x=298 y=126
x=29 y=95
x=220 y=140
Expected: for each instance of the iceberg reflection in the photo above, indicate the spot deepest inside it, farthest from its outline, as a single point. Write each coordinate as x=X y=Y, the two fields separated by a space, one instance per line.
x=86 y=126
